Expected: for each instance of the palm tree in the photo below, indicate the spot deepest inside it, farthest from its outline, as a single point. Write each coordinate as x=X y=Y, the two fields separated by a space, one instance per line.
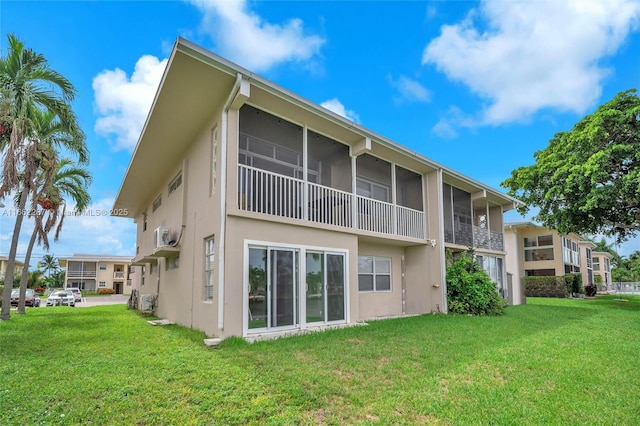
x=71 y=181
x=29 y=88
x=33 y=279
x=48 y=263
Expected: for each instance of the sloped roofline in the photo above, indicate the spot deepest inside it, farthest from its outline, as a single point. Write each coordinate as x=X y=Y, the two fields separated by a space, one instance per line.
x=206 y=56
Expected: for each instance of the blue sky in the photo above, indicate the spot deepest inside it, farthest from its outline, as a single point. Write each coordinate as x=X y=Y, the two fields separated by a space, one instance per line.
x=476 y=86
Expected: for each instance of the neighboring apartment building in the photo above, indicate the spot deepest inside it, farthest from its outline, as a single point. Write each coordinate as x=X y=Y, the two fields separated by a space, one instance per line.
x=535 y=250
x=92 y=272
x=17 y=269
x=602 y=267
x=260 y=212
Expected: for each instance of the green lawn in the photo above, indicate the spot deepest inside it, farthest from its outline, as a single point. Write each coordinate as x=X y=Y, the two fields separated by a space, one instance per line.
x=552 y=361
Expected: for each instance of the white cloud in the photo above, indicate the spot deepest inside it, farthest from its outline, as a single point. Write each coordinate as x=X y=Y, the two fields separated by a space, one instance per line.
x=244 y=37
x=336 y=106
x=123 y=103
x=445 y=129
x=409 y=90
x=531 y=55
x=454 y=118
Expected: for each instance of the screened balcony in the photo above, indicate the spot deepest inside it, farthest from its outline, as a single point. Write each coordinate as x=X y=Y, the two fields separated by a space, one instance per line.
x=471 y=223
x=81 y=270
x=276 y=178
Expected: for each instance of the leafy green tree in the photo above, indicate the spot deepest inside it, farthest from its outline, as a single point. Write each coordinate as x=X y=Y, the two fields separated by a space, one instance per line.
x=469 y=288
x=29 y=86
x=33 y=278
x=57 y=279
x=587 y=180
x=628 y=270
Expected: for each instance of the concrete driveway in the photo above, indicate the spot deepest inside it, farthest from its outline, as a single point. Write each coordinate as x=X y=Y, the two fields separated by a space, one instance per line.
x=113 y=299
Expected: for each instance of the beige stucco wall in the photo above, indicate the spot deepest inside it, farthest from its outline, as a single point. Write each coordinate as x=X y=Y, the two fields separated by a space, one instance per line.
x=513 y=263
x=180 y=290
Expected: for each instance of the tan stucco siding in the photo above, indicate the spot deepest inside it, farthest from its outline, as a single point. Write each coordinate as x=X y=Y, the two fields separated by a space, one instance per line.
x=192 y=216
x=424 y=281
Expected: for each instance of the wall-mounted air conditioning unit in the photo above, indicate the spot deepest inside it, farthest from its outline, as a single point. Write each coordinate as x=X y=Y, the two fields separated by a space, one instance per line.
x=162 y=236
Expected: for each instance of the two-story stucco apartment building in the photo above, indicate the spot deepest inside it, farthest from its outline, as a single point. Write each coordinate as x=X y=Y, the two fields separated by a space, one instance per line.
x=4 y=261
x=260 y=212
x=92 y=272
x=534 y=250
x=602 y=268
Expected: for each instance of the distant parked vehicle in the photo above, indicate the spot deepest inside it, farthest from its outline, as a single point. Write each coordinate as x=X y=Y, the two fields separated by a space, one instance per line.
x=31 y=298
x=76 y=293
x=61 y=298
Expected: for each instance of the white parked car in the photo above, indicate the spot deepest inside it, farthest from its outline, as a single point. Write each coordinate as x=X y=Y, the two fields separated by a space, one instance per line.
x=76 y=293
x=60 y=298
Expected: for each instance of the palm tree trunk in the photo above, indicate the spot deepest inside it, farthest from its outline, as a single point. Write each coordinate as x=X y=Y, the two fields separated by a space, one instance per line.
x=25 y=273
x=5 y=313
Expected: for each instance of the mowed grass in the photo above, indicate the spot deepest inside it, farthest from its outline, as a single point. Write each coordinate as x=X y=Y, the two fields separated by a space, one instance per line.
x=552 y=361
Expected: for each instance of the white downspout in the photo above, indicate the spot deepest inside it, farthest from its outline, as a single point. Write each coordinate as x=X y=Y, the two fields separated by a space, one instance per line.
x=443 y=255
x=223 y=198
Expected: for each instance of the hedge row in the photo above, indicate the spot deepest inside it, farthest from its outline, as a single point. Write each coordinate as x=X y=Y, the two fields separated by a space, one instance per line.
x=551 y=286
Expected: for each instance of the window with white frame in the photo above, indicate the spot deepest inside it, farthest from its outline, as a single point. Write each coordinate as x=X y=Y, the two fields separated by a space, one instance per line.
x=538 y=248
x=374 y=273
x=209 y=259
x=575 y=253
x=596 y=263
x=370 y=189
x=102 y=284
x=570 y=253
x=103 y=267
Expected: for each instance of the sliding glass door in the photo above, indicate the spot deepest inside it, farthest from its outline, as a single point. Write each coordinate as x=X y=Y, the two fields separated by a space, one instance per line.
x=272 y=288
x=325 y=289
x=280 y=295
x=283 y=271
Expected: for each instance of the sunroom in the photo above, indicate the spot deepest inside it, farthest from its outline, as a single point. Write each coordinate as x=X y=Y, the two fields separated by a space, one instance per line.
x=289 y=170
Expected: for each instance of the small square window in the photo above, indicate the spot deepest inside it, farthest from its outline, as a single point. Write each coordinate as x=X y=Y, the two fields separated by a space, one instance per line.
x=374 y=273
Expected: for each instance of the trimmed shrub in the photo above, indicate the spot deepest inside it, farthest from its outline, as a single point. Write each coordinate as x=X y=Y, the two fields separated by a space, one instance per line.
x=548 y=286
x=591 y=290
x=574 y=283
x=470 y=290
x=106 y=291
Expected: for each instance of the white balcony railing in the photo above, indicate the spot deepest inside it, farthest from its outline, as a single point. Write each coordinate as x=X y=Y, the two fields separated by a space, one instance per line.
x=118 y=274
x=375 y=216
x=265 y=192
x=330 y=206
x=81 y=274
x=410 y=222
